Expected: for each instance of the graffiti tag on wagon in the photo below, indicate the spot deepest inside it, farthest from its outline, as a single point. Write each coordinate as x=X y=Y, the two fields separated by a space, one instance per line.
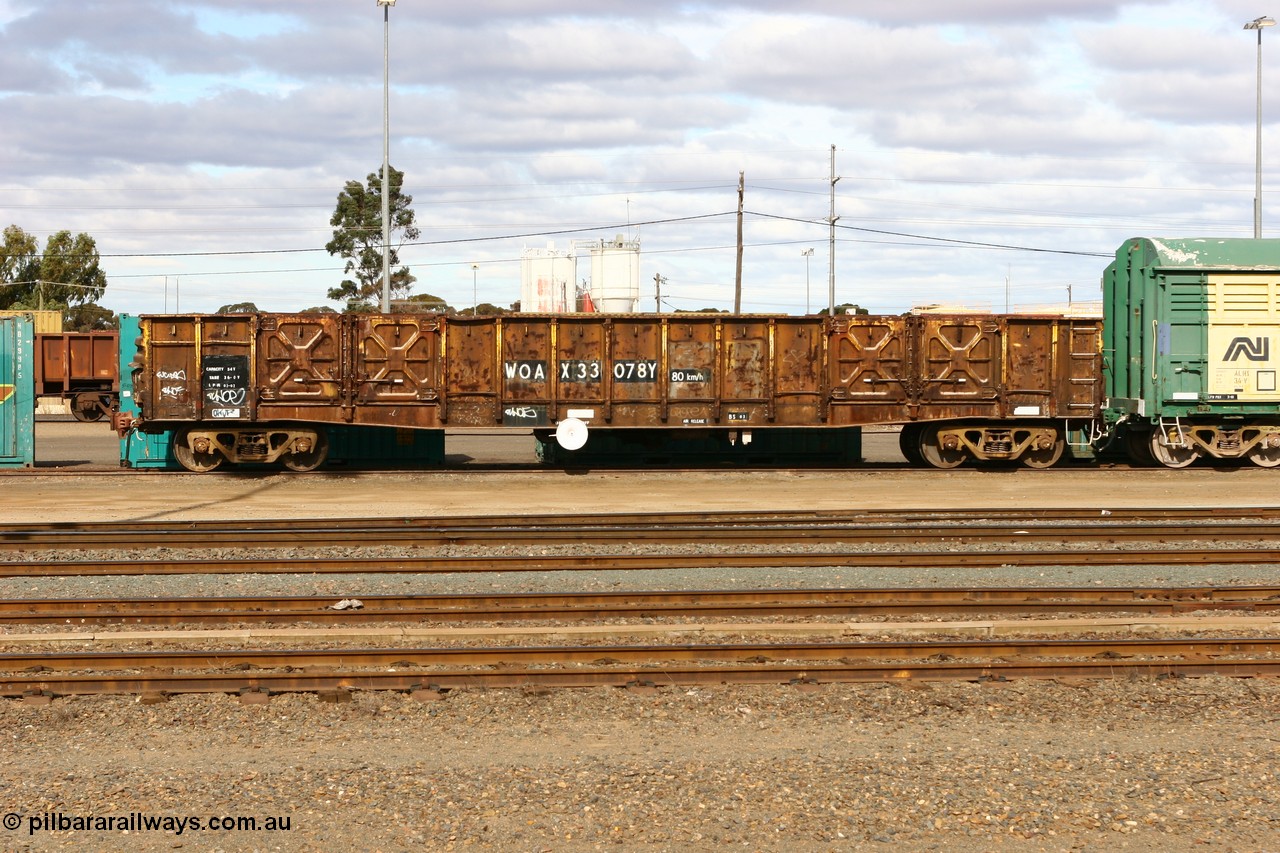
x=532 y=415
x=226 y=396
x=177 y=375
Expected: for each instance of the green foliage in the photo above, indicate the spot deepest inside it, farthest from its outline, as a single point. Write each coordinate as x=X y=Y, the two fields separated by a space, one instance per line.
x=238 y=308
x=65 y=274
x=90 y=317
x=423 y=302
x=357 y=237
x=318 y=309
x=845 y=308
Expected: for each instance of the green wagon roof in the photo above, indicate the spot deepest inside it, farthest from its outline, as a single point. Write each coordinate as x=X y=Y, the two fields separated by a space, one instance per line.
x=1201 y=252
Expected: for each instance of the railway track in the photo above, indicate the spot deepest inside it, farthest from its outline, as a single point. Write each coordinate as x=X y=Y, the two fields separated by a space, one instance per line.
x=584 y=607
x=979 y=558
x=436 y=669
x=756 y=528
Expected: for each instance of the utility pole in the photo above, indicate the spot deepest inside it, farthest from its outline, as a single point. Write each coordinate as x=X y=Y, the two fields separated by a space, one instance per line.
x=737 y=281
x=831 y=251
x=658 y=281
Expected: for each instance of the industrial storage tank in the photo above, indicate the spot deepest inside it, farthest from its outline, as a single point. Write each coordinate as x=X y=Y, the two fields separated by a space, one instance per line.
x=547 y=280
x=615 y=275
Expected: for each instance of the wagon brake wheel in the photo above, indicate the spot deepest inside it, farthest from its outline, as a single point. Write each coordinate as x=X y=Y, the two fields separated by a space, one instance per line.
x=313 y=459
x=1168 y=455
x=199 y=463
x=1034 y=458
x=86 y=408
x=935 y=455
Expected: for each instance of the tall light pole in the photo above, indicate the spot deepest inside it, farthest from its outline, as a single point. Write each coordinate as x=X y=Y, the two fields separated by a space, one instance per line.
x=386 y=154
x=1258 y=24
x=475 y=300
x=807 y=253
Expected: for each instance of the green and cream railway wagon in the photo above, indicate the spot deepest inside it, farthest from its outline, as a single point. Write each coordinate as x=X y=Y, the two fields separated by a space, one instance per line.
x=1192 y=349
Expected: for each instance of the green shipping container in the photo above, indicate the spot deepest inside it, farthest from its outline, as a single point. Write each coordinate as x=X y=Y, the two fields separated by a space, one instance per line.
x=17 y=395
x=1192 y=348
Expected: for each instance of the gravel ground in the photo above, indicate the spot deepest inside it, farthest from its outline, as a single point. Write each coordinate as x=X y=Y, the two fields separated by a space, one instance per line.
x=1094 y=766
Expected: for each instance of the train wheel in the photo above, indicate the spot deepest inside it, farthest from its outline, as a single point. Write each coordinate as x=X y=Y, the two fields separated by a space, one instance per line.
x=909 y=444
x=310 y=460
x=192 y=460
x=1137 y=444
x=1034 y=458
x=1265 y=457
x=86 y=408
x=1168 y=455
x=935 y=455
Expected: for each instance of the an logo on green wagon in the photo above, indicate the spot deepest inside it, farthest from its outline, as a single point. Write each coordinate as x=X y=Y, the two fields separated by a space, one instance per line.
x=1252 y=349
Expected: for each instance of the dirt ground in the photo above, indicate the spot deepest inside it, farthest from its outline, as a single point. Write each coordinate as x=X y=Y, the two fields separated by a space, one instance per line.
x=103 y=491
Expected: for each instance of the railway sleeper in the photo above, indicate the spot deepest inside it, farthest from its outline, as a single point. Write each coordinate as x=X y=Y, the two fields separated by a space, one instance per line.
x=203 y=449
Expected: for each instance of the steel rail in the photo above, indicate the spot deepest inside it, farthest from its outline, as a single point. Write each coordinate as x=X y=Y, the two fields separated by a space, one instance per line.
x=636 y=605
x=676 y=526
x=650 y=654
x=986 y=558
x=162 y=684
x=316 y=534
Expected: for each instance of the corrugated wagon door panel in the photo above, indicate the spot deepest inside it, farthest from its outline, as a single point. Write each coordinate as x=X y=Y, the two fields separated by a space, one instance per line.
x=397 y=360
x=870 y=361
x=299 y=360
x=960 y=360
x=527 y=369
x=632 y=372
x=691 y=360
x=226 y=367
x=579 y=367
x=470 y=371
x=1030 y=359
x=797 y=371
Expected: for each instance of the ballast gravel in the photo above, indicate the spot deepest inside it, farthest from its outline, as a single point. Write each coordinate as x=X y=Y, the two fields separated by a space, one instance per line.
x=1029 y=766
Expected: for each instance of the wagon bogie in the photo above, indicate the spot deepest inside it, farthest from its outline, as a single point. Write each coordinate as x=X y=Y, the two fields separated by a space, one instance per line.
x=203 y=448
x=948 y=445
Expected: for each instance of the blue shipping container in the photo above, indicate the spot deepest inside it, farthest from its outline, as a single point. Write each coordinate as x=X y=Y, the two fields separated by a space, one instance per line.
x=17 y=392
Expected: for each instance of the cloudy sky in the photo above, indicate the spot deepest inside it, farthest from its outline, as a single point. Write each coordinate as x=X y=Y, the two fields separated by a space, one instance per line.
x=990 y=152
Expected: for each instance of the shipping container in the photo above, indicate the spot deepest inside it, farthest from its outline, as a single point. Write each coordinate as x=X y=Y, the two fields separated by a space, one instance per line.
x=17 y=402
x=1191 y=349
x=43 y=322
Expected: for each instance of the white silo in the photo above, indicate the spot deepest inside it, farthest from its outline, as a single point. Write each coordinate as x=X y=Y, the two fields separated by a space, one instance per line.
x=615 y=275
x=547 y=279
